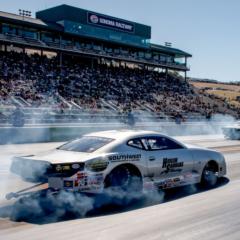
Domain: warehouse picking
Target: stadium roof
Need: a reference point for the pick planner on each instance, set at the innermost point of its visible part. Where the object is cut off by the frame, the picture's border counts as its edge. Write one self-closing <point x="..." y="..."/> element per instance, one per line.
<point x="82" y="16"/>
<point x="71" y="10"/>
<point x="174" y="51"/>
<point x="5" y="15"/>
<point x="29" y="21"/>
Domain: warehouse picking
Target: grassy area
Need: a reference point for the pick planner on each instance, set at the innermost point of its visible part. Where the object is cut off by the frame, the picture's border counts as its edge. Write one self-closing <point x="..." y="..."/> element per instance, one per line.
<point x="229" y="87"/>
<point x="229" y="92"/>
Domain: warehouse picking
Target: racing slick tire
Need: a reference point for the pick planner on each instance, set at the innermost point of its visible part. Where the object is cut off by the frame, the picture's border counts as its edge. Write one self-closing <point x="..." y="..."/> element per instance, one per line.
<point x="209" y="177"/>
<point x="124" y="178"/>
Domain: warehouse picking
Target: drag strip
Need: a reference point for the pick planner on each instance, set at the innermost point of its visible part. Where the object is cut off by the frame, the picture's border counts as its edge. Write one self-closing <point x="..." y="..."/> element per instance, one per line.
<point x="227" y="149"/>
<point x="212" y="214"/>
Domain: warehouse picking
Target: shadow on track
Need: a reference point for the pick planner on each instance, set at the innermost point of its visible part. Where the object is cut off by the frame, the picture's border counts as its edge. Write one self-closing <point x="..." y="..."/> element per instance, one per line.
<point x="44" y="210"/>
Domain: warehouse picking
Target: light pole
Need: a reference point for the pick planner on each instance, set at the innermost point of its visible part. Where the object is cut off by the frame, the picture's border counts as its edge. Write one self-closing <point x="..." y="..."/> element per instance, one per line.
<point x="24" y="13"/>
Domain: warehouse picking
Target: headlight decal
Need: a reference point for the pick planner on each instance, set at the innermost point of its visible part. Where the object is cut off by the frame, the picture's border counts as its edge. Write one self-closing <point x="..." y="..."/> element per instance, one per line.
<point x="97" y="165"/>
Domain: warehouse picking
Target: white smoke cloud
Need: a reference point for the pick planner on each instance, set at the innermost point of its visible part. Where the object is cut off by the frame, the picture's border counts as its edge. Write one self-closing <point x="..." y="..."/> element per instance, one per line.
<point x="65" y="203"/>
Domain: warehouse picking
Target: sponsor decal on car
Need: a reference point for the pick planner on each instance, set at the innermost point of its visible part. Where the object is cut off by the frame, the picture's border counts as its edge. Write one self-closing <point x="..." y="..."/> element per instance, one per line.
<point x="171" y="165"/>
<point x="83" y="181"/>
<point x="58" y="168"/>
<point x="62" y="168"/>
<point x="75" y="166"/>
<point x="127" y="157"/>
<point x="170" y="182"/>
<point x="88" y="180"/>
<point x="95" y="179"/>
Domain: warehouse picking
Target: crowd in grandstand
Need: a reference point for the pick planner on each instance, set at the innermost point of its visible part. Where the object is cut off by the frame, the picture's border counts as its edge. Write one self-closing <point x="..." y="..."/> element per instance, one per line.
<point x="39" y="81"/>
<point x="93" y="49"/>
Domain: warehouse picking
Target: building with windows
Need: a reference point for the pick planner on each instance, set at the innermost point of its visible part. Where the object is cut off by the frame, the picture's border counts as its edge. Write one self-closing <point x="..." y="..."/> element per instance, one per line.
<point x="65" y="30"/>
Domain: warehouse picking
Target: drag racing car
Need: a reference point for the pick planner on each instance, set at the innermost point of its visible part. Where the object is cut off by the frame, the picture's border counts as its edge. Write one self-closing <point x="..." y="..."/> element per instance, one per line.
<point x="129" y="160"/>
<point x="232" y="132"/>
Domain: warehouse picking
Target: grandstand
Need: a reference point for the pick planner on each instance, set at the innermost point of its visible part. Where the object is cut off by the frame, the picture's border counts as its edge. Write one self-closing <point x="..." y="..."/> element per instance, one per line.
<point x="70" y="64"/>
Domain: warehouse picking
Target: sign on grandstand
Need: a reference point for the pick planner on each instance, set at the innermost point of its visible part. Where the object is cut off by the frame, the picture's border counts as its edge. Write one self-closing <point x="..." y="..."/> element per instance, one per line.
<point x="110" y="22"/>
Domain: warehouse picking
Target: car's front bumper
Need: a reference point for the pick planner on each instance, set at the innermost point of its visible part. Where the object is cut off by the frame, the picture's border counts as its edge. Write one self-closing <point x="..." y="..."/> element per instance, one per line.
<point x="84" y="181"/>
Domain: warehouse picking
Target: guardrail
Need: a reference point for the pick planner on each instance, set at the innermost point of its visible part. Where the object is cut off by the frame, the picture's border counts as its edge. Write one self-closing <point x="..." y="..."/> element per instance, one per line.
<point x="48" y="114"/>
<point x="62" y="132"/>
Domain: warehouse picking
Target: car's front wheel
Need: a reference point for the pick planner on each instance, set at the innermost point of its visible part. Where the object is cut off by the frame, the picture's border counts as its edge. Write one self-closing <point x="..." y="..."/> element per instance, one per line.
<point x="210" y="175"/>
<point x="125" y="179"/>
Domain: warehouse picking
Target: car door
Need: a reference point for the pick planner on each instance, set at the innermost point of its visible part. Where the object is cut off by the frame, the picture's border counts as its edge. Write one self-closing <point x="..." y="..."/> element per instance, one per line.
<point x="166" y="157"/>
<point x="137" y="148"/>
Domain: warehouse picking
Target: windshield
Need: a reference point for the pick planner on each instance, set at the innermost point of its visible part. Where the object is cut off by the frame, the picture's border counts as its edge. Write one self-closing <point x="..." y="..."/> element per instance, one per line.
<point x="85" y="144"/>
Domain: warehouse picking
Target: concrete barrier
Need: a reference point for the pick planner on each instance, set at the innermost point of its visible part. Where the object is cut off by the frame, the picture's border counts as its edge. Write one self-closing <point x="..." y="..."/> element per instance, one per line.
<point x="64" y="132"/>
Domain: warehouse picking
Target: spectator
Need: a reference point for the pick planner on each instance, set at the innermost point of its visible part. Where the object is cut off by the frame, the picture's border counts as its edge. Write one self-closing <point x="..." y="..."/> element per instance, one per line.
<point x="40" y="82"/>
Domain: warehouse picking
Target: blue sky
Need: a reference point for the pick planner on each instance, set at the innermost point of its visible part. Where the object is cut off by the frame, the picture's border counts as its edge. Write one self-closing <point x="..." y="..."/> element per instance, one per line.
<point x="208" y="29"/>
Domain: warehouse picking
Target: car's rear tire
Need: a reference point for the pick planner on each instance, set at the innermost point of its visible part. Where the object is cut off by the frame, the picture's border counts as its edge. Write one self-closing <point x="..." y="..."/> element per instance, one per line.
<point x="210" y="175"/>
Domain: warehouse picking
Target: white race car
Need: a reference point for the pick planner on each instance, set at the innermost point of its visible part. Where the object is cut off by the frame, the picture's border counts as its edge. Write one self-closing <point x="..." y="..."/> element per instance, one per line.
<point x="233" y="131"/>
<point x="131" y="160"/>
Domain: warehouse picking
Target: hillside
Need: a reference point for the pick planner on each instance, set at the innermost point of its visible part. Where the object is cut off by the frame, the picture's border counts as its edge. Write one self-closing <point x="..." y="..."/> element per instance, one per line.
<point x="230" y="93"/>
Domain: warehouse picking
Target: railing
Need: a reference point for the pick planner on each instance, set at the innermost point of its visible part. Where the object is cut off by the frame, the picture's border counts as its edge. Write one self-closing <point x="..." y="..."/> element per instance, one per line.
<point x="54" y="116"/>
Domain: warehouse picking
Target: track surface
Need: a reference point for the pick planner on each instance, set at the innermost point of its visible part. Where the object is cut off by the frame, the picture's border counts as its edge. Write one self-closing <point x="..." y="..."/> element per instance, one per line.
<point x="212" y="214"/>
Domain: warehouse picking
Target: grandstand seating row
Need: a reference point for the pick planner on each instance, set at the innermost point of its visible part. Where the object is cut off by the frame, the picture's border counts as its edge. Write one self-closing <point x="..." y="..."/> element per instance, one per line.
<point x="34" y="81"/>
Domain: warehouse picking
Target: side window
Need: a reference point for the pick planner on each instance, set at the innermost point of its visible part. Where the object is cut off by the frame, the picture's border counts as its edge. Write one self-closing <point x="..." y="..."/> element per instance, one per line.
<point x="161" y="143"/>
<point x="171" y="144"/>
<point x="136" y="143"/>
<point x="156" y="143"/>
